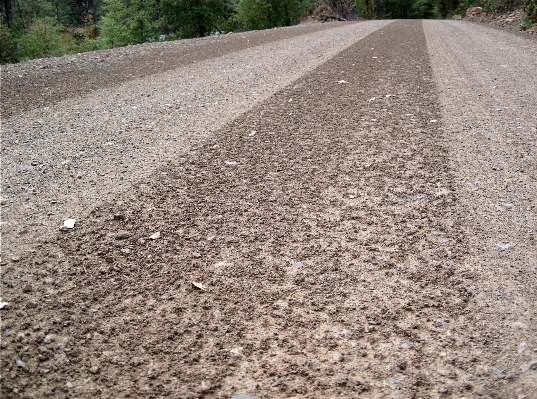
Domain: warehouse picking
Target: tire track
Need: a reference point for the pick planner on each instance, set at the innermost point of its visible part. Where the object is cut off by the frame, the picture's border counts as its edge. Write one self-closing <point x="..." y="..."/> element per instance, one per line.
<point x="488" y="84"/>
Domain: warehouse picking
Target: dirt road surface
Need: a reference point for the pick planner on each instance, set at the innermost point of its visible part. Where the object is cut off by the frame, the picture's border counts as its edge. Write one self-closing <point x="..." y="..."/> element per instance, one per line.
<point x="323" y="211"/>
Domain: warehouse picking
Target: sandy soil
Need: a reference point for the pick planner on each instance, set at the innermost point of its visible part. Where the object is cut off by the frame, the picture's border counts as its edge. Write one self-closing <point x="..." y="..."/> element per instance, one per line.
<point x="362" y="224"/>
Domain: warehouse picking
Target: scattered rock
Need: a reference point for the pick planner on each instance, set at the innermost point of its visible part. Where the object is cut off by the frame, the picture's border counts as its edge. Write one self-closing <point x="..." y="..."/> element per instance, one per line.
<point x="405" y="198"/>
<point x="530" y="365"/>
<point x="69" y="223"/>
<point x="474" y="14"/>
<point x="237" y="352"/>
<point x="122" y="235"/>
<point x="505" y="247"/>
<point x="15" y="258"/>
<point x="242" y="396"/>
<point x="199" y="286"/>
<point x="20" y="363"/>
<point x="505" y="207"/>
<point x="154" y="236"/>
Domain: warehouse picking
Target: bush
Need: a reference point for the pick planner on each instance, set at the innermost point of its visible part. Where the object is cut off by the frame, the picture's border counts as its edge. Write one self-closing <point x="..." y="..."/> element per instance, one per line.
<point x="8" y="45"/>
<point x="530" y="8"/>
<point x="42" y="39"/>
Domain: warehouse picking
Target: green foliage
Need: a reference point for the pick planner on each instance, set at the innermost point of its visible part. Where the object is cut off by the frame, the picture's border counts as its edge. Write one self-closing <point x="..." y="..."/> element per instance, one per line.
<point x="129" y="22"/>
<point x="422" y="9"/>
<point x="264" y="14"/>
<point x="8" y="45"/>
<point x="530" y="8"/>
<point x="43" y="38"/>
<point x="194" y="18"/>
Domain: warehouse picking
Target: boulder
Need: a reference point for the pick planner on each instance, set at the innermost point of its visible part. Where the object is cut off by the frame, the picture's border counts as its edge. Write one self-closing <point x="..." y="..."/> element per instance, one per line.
<point x="474" y="14"/>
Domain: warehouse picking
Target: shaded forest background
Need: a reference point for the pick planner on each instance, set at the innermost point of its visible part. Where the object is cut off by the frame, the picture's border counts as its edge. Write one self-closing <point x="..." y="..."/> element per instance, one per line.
<point x="46" y="28"/>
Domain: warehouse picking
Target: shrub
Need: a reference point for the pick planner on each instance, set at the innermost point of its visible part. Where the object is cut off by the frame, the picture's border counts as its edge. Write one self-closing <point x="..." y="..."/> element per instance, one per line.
<point x="42" y="39"/>
<point x="530" y="8"/>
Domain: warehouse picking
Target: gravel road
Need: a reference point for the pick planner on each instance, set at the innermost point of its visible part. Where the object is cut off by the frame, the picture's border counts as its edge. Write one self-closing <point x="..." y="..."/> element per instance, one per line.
<point x="328" y="210"/>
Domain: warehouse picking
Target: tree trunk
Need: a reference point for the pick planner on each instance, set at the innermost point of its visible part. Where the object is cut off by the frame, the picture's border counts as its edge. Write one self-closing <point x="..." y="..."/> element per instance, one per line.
<point x="9" y="13"/>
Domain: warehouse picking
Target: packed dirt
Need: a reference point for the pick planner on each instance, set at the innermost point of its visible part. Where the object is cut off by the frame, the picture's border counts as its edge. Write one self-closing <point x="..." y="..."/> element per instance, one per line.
<point x="346" y="211"/>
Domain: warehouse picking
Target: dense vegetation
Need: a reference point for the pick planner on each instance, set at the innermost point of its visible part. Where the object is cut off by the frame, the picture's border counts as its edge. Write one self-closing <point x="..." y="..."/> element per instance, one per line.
<point x="44" y="28"/>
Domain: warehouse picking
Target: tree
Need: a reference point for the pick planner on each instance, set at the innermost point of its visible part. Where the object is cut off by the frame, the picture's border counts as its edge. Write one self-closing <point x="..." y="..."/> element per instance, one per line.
<point x="129" y="22"/>
<point x="422" y="9"/>
<point x="263" y="14"/>
<point x="193" y="18"/>
<point x="9" y="13"/>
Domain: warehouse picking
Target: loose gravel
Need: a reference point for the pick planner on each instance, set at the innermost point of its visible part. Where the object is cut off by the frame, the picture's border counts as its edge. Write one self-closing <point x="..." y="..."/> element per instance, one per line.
<point x="333" y="233"/>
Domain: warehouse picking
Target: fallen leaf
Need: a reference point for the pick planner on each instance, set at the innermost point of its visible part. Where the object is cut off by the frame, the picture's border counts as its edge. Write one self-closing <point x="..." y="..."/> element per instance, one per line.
<point x="372" y="99"/>
<point x="352" y="196"/>
<point x="230" y="162"/>
<point x="433" y="121"/>
<point x="154" y="236"/>
<point x="252" y="133"/>
<point x="199" y="286"/>
<point x="342" y="82"/>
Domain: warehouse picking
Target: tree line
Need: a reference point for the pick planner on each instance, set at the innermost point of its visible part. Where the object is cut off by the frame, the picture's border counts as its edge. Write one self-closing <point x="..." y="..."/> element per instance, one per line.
<point x="43" y="28"/>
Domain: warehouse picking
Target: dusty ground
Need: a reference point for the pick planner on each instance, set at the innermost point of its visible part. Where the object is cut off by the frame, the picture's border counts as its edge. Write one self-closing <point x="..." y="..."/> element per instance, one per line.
<point x="349" y="222"/>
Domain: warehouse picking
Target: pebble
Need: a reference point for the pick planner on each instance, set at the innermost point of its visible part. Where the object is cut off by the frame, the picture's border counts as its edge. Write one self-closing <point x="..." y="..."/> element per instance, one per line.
<point x="122" y="235"/>
<point x="88" y="304"/>
<point x="20" y="363"/>
<point x="505" y="247"/>
<point x="15" y="258"/>
<point x="242" y="396"/>
<point x="119" y="216"/>
<point x="196" y="255"/>
<point x="531" y="365"/>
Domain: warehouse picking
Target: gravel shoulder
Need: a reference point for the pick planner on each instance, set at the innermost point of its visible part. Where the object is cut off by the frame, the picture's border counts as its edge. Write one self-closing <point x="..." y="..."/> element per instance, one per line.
<point x="328" y="233"/>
